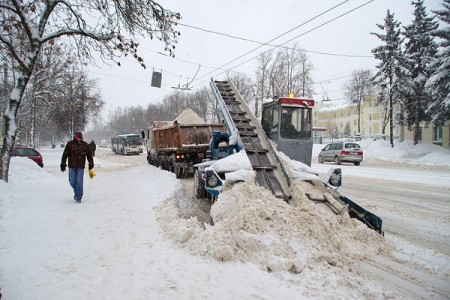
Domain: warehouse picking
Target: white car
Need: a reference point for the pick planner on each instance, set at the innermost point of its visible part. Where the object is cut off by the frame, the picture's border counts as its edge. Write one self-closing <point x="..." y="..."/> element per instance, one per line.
<point x="340" y="152"/>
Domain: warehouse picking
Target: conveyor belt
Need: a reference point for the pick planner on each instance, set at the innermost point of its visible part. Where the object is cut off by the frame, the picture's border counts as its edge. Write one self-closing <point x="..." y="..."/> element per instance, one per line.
<point x="264" y="164"/>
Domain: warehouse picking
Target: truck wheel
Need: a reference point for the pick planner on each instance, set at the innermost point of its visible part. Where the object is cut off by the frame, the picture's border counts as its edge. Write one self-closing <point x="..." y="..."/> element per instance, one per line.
<point x="356" y="163"/>
<point x="177" y="171"/>
<point x="199" y="185"/>
<point x="185" y="172"/>
<point x="337" y="161"/>
<point x="166" y="165"/>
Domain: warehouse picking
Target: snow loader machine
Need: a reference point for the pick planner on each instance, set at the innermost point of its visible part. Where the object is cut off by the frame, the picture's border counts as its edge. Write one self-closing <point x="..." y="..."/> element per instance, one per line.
<point x="286" y="123"/>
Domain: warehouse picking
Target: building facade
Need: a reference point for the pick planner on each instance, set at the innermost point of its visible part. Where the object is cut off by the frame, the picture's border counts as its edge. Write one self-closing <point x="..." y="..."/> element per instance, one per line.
<point x="339" y="121"/>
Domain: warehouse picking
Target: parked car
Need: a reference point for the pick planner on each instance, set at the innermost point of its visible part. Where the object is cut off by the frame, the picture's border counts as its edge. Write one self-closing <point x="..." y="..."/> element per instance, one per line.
<point x="29" y="152"/>
<point x="341" y="152"/>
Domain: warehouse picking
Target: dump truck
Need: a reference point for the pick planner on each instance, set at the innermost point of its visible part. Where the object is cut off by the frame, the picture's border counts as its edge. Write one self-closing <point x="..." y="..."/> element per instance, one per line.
<point x="177" y="147"/>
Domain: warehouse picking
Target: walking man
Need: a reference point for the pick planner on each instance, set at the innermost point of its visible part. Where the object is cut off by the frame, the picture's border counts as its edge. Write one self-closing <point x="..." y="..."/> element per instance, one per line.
<point x="77" y="151"/>
<point x="92" y="147"/>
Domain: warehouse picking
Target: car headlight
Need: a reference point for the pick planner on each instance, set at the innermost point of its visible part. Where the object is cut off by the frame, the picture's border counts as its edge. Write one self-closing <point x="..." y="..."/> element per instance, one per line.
<point x="334" y="180"/>
<point x="336" y="177"/>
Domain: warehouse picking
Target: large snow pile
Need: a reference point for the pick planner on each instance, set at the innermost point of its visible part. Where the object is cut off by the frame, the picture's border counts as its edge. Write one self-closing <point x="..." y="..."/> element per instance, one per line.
<point x="251" y="225"/>
<point x="188" y="116"/>
<point x="405" y="152"/>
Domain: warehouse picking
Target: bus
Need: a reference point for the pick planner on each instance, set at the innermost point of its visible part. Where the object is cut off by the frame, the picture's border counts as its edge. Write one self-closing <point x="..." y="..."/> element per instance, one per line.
<point x="127" y="144"/>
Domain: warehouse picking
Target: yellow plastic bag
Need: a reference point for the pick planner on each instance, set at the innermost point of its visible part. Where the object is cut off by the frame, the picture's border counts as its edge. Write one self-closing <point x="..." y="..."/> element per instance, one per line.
<point x="91" y="174"/>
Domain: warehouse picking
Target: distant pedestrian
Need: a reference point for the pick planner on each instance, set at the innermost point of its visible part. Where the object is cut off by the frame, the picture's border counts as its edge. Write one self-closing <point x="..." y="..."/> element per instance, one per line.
<point x="77" y="151"/>
<point x="92" y="147"/>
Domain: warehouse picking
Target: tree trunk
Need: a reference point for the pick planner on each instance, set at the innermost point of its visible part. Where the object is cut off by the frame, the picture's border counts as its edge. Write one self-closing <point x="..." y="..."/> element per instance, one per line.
<point x="416" y="126"/>
<point x="416" y="132"/>
<point x="359" y="117"/>
<point x="10" y="124"/>
<point x="33" y="121"/>
<point x="401" y="137"/>
<point x="12" y="107"/>
<point x="391" y="122"/>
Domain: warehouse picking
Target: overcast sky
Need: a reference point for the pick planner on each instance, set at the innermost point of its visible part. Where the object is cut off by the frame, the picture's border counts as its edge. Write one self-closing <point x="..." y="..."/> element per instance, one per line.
<point x="347" y="40"/>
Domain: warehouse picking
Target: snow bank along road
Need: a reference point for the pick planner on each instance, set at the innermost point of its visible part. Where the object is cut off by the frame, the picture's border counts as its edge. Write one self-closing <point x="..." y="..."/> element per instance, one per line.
<point x="414" y="203"/>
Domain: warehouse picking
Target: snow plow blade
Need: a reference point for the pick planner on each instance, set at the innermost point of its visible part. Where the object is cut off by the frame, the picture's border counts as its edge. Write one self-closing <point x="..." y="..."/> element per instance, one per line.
<point x="355" y="211"/>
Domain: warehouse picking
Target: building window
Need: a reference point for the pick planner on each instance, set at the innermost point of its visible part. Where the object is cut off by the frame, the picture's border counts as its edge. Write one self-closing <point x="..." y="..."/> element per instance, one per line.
<point x="354" y="122"/>
<point x="342" y="114"/>
<point x="437" y="134"/>
<point x="335" y="115"/>
<point x="348" y="114"/>
<point x="370" y="117"/>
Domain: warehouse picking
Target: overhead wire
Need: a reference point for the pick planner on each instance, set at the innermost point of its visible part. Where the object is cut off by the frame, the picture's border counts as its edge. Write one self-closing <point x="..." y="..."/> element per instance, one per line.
<point x="266" y="44"/>
<point x="277" y="37"/>
<point x="308" y="31"/>
<point x="261" y="45"/>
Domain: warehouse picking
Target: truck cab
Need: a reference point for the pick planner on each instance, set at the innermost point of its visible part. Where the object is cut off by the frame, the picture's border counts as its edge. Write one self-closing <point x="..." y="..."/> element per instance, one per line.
<point x="288" y="122"/>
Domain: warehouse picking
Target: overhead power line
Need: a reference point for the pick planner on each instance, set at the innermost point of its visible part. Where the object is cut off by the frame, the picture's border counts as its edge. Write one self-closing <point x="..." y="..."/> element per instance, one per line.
<point x="277" y="37"/>
<point x="302" y="34"/>
<point x="266" y="44"/>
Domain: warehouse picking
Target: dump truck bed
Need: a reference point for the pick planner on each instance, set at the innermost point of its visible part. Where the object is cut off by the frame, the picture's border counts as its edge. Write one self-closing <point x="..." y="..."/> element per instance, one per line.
<point x="184" y="137"/>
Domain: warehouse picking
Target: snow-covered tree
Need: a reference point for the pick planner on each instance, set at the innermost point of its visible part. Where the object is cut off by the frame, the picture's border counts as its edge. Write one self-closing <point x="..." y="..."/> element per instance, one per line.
<point x="420" y="49"/>
<point x="357" y="88"/>
<point x="389" y="76"/>
<point x="108" y="27"/>
<point x="438" y="85"/>
<point x="336" y="133"/>
<point x="347" y="130"/>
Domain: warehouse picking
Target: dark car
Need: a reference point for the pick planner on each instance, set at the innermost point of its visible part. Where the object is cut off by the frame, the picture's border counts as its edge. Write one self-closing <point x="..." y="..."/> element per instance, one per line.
<point x="341" y="152"/>
<point x="29" y="152"/>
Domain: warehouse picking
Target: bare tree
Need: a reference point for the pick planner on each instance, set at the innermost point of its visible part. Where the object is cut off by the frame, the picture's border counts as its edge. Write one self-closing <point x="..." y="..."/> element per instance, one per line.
<point x="357" y="88"/>
<point x="245" y="86"/>
<point x="298" y="70"/>
<point x="289" y="71"/>
<point x="27" y="25"/>
<point x="199" y="102"/>
<point x="77" y="101"/>
<point x="49" y="70"/>
<point x="262" y="75"/>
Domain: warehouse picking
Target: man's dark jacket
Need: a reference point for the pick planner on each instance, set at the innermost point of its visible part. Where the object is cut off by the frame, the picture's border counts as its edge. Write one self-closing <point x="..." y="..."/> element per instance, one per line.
<point x="77" y="153"/>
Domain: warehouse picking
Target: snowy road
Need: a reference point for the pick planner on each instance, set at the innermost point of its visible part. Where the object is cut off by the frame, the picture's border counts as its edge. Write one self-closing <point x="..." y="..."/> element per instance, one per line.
<point x="415" y="210"/>
<point x="414" y="203"/>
